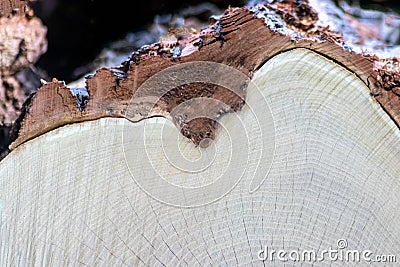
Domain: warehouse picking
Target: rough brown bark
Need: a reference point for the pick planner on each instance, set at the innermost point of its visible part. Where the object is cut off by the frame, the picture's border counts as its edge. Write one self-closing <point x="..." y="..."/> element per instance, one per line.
<point x="13" y="7"/>
<point x="243" y="38"/>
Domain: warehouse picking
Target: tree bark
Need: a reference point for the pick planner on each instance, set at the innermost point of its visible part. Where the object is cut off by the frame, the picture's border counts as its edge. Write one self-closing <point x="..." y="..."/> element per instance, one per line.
<point x="262" y="132"/>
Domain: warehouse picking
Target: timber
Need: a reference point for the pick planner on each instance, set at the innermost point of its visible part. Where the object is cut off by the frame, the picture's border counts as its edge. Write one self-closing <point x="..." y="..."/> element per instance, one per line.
<point x="262" y="132"/>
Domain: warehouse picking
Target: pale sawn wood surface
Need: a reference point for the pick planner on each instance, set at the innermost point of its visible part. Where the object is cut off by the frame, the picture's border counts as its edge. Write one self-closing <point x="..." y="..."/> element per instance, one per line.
<point x="67" y="198"/>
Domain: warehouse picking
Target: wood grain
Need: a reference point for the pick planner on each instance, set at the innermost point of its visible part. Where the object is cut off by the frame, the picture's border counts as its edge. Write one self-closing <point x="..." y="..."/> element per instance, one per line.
<point x="72" y="196"/>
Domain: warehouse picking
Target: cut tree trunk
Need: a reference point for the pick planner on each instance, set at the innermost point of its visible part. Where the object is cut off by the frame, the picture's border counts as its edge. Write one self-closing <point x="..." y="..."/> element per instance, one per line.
<point x="261" y="133"/>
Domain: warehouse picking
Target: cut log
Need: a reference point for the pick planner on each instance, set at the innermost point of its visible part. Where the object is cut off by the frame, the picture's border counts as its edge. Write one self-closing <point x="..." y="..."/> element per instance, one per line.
<point x="255" y="136"/>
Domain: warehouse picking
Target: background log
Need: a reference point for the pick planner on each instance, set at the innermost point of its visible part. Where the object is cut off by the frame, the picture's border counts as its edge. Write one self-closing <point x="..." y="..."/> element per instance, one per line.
<point x="23" y="41"/>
